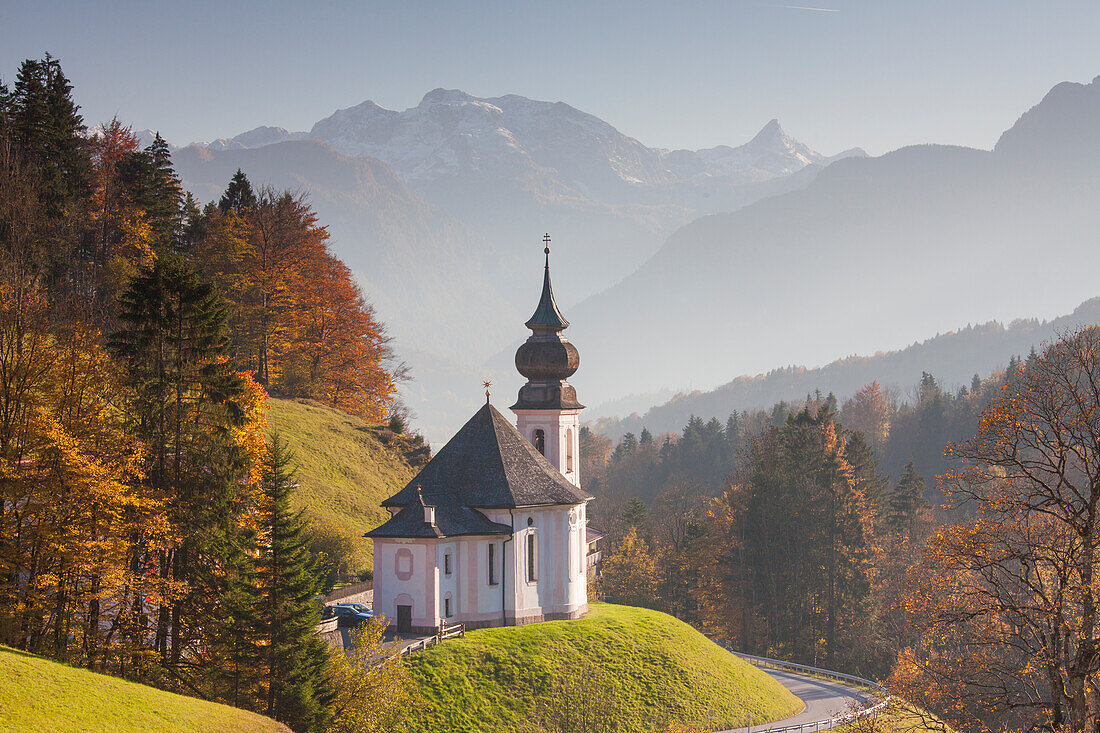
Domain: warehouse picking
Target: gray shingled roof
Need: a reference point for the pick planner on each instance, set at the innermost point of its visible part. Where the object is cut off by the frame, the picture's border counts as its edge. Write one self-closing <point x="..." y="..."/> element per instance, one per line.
<point x="450" y="521"/>
<point x="489" y="464"/>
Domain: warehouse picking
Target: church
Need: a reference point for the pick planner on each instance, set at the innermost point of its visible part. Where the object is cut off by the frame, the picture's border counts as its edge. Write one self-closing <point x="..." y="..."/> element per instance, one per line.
<point x="492" y="532"/>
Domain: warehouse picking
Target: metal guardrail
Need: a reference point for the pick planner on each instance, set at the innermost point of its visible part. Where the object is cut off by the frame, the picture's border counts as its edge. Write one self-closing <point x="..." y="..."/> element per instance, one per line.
<point x="876" y="704"/>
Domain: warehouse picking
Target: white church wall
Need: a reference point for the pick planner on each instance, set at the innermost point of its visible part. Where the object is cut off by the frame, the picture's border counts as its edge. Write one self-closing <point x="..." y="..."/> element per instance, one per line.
<point x="558" y="590"/>
<point x="406" y="573"/>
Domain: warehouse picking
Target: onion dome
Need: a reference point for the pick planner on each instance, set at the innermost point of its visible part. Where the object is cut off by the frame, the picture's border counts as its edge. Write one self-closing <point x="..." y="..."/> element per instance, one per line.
<point x="547" y="358"/>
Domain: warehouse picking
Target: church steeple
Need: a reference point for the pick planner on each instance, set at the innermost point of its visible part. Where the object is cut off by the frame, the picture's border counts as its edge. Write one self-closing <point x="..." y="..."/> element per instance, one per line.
<point x="547" y="315"/>
<point x="547" y="409"/>
<point x="547" y="358"/>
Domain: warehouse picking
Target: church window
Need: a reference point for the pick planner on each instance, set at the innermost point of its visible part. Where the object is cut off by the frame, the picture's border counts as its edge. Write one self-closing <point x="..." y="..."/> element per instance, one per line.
<point x="447" y="564"/>
<point x="532" y="558"/>
<point x="492" y="564"/>
<point x="569" y="450"/>
<point x="447" y="606"/>
<point x="403" y="565"/>
<point x="540" y="441"/>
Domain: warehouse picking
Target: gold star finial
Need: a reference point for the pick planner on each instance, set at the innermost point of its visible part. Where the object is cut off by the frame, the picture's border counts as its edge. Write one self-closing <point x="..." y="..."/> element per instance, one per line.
<point x="487" y="384"/>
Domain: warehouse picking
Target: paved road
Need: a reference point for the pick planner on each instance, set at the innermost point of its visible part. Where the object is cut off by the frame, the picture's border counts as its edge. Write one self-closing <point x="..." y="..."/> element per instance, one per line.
<point x="823" y="698"/>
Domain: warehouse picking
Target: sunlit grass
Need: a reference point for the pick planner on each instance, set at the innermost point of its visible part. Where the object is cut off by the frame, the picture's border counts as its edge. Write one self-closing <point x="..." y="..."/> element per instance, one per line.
<point x="344" y="470"/>
<point x="662" y="670"/>
<point x="42" y="696"/>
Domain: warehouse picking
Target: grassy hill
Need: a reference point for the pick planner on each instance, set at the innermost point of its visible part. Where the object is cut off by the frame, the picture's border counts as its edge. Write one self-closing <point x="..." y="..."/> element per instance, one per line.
<point x="39" y="695"/>
<point x="644" y="668"/>
<point x="345" y="468"/>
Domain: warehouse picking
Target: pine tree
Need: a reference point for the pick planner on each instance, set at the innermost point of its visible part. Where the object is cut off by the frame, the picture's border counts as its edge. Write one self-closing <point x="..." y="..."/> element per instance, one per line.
<point x="49" y="130"/>
<point x="154" y="187"/>
<point x="636" y="516"/>
<point x="626" y="447"/>
<point x="907" y="500"/>
<point x="865" y="469"/>
<point x="286" y="611"/>
<point x="189" y="407"/>
<point x="238" y="196"/>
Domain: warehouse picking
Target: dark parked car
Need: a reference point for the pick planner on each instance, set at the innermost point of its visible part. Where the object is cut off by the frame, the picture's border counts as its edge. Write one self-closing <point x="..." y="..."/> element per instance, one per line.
<point x="351" y="614"/>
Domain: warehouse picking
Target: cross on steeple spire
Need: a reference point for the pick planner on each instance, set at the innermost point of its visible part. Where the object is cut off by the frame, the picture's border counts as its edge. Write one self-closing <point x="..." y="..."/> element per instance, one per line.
<point x="547" y="314"/>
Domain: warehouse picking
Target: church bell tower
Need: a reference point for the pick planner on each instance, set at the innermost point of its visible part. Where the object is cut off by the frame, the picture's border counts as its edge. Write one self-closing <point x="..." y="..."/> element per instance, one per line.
<point x="547" y="411"/>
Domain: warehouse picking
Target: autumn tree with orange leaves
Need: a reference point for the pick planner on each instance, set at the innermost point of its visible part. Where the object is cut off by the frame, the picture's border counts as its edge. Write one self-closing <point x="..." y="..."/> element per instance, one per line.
<point x="299" y="321"/>
<point x="1006" y="605"/>
<point x="145" y="523"/>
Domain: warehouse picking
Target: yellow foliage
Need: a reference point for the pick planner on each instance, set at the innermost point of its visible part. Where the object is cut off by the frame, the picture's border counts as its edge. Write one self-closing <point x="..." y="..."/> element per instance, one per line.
<point x="630" y="574"/>
<point x="374" y="689"/>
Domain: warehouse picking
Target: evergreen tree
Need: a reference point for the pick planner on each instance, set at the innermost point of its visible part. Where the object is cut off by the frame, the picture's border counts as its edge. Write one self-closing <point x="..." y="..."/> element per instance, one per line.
<point x="238" y="196"/>
<point x="865" y="470"/>
<point x="626" y="447"/>
<point x="733" y="432"/>
<point x="636" y="516"/>
<point x="190" y="408"/>
<point x="49" y="131"/>
<point x="234" y="645"/>
<point x="646" y="437"/>
<point x="154" y="187"/>
<point x="907" y="500"/>
<point x="286" y="610"/>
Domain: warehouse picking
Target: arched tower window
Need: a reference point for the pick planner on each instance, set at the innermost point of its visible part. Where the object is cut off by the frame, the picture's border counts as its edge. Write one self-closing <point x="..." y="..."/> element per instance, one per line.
<point x="569" y="450"/>
<point x="540" y="441"/>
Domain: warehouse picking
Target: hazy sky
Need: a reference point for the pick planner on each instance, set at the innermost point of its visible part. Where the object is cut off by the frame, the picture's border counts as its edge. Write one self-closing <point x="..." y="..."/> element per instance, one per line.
<point x="837" y="73"/>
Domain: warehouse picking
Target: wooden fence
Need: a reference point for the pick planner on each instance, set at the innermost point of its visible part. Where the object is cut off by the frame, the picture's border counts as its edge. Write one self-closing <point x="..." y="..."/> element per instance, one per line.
<point x="442" y="632"/>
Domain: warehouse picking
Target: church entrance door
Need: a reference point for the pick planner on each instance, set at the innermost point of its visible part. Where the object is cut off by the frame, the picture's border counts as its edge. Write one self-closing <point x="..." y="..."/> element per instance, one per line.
<point x="404" y="619"/>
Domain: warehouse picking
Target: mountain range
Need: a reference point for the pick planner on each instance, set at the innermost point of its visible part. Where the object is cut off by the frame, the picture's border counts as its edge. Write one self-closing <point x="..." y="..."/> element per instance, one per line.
<point x="676" y="267"/>
<point x="440" y="210"/>
<point x="873" y="254"/>
<point x="510" y="168"/>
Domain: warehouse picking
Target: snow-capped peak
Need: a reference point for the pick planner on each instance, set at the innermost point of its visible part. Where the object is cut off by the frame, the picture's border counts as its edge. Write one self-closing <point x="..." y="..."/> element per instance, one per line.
<point x="452" y="134"/>
<point x="771" y="152"/>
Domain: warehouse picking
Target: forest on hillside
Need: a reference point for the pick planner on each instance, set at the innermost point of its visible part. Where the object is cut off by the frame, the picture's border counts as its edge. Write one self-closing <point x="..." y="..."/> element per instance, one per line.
<point x="946" y="545"/>
<point x="146" y="527"/>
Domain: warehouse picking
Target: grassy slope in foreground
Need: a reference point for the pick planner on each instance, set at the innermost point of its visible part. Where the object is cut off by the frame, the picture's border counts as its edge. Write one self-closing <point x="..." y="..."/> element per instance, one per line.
<point x="344" y="470"/>
<point x="664" y="670"/>
<point x="40" y="695"/>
